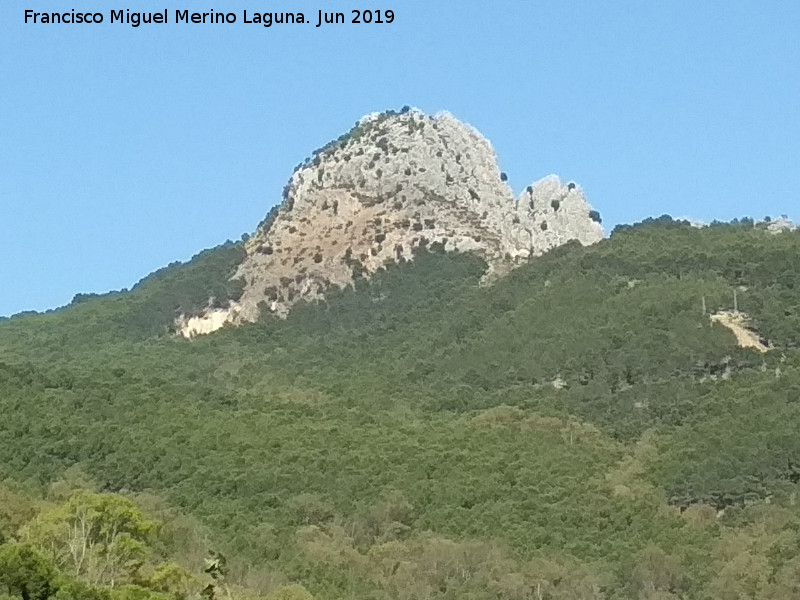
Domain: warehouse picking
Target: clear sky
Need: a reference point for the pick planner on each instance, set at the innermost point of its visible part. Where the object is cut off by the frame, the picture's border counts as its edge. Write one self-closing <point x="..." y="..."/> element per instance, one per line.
<point x="123" y="149"/>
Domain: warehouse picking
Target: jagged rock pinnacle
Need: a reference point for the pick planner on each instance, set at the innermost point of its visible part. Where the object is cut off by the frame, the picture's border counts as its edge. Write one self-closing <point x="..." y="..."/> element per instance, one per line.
<point x="395" y="182"/>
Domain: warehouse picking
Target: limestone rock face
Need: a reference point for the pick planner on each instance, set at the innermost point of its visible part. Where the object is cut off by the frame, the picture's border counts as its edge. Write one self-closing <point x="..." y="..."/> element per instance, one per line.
<point x="780" y="225"/>
<point x="396" y="182"/>
<point x="549" y="214"/>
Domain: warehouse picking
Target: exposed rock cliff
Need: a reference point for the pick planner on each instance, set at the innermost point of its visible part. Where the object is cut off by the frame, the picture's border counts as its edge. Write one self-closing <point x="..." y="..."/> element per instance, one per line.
<point x="395" y="182"/>
<point x="781" y="225"/>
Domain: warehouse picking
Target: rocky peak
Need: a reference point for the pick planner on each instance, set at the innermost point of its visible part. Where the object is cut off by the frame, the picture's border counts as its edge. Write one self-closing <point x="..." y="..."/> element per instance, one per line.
<point x="780" y="225"/>
<point x="396" y="182"/>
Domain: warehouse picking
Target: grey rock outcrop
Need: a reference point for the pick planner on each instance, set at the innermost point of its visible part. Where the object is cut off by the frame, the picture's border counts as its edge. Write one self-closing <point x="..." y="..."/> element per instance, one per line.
<point x="394" y="183"/>
<point x="781" y="225"/>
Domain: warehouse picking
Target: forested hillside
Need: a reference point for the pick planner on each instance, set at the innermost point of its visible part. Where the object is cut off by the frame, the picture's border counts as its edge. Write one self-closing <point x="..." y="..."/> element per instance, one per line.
<point x="580" y="429"/>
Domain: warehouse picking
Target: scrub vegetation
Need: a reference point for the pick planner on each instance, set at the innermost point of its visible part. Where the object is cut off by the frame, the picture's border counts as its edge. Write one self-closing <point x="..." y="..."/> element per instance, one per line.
<point x="581" y="429"/>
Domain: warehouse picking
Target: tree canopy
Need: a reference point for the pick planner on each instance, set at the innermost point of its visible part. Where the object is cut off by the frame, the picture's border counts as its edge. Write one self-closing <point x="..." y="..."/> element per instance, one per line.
<point x="580" y="429"/>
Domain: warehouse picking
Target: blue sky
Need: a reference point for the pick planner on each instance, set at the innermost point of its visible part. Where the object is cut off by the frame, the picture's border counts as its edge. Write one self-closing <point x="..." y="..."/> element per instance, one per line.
<point x="123" y="149"/>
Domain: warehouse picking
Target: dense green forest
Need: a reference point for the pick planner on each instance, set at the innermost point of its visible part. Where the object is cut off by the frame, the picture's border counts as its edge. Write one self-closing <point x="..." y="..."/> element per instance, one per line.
<point x="577" y="430"/>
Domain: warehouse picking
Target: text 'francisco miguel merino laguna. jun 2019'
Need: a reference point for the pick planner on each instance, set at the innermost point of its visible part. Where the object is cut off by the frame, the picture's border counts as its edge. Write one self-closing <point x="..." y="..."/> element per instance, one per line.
<point x="125" y="16"/>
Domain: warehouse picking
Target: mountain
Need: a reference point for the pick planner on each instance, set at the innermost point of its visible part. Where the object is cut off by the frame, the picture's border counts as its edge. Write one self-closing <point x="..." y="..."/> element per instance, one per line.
<point x="613" y="420"/>
<point x="394" y="183"/>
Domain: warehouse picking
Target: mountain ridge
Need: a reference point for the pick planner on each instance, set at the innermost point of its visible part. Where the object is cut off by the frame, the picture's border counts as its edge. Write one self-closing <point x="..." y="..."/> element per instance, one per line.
<point x="414" y="415"/>
<point x="396" y="182"/>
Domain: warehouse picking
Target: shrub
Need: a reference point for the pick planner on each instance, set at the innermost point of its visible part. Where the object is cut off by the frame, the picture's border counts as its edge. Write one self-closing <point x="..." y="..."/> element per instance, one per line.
<point x="26" y="573"/>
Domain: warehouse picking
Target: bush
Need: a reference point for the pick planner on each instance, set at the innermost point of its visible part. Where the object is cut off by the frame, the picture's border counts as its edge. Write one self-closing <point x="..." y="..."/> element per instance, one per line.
<point x="291" y="592"/>
<point x="26" y="573"/>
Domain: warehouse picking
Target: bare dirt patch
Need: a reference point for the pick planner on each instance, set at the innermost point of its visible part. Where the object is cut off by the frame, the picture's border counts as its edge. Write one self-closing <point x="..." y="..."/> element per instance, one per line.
<point x="739" y="323"/>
